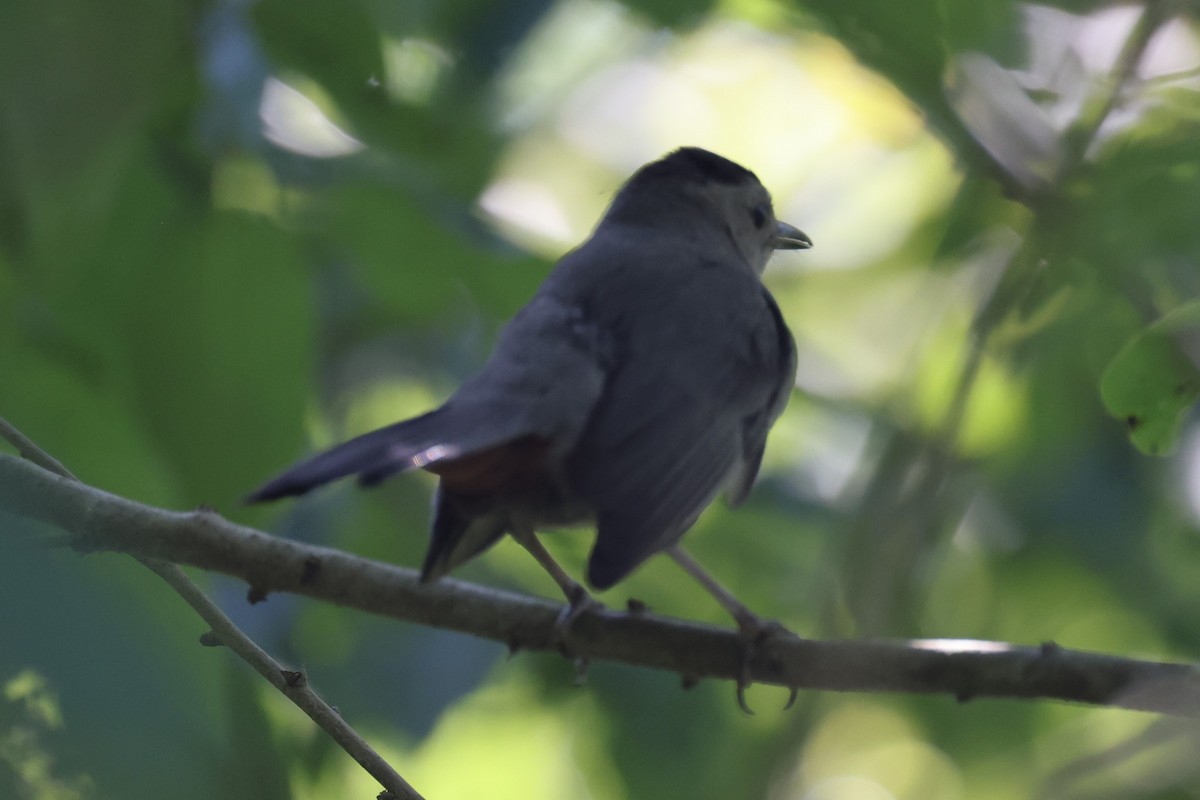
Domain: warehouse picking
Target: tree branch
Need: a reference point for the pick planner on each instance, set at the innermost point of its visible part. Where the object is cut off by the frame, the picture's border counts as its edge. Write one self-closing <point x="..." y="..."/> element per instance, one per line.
<point x="294" y="685"/>
<point x="97" y="520"/>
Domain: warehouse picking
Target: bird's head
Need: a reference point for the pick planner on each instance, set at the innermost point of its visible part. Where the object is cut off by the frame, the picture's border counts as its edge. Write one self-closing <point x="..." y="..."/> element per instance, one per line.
<point x="698" y="194"/>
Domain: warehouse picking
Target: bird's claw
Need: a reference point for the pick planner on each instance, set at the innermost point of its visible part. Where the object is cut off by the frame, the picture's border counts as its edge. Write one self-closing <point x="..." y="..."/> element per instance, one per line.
<point x="752" y="633"/>
<point x="582" y="665"/>
<point x="579" y="603"/>
<point x="741" y="696"/>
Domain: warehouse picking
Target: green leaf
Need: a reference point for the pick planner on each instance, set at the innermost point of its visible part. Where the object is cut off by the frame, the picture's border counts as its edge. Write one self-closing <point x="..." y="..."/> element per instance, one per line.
<point x="338" y="47"/>
<point x="335" y="44"/>
<point x="1155" y="379"/>
<point x="220" y="350"/>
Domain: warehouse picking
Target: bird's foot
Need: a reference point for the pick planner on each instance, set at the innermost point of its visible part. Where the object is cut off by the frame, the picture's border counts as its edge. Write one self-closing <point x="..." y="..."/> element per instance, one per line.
<point x="753" y="633"/>
<point x="579" y="602"/>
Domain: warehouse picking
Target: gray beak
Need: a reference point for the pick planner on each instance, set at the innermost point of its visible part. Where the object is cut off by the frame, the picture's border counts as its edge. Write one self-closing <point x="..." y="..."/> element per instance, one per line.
<point x="788" y="238"/>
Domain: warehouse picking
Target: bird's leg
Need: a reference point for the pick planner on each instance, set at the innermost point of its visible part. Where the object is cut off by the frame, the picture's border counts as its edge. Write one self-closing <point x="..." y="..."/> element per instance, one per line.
<point x="753" y="630"/>
<point x="749" y="623"/>
<point x="578" y="599"/>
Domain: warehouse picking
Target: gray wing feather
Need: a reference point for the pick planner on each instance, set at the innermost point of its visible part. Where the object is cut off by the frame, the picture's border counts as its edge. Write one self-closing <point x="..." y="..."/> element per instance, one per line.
<point x="757" y="426"/>
<point x="696" y="382"/>
<point x="659" y="500"/>
<point x="542" y="379"/>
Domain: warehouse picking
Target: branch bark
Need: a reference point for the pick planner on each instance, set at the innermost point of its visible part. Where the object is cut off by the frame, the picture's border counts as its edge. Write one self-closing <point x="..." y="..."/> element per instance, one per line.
<point x="96" y="520"/>
<point x="292" y="684"/>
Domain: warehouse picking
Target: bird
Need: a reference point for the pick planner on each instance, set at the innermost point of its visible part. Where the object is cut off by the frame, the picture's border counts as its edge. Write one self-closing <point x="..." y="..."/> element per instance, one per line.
<point x="637" y="385"/>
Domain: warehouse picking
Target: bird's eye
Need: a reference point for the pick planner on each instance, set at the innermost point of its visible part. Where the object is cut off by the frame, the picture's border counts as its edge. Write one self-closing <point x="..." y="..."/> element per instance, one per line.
<point x="758" y="216"/>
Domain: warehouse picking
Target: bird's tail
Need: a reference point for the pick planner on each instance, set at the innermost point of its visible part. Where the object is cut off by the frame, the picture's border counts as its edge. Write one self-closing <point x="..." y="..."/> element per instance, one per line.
<point x="441" y="435"/>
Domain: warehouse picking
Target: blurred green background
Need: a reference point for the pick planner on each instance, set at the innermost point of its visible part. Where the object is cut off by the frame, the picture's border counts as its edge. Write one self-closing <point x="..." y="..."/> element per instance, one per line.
<point x="234" y="232"/>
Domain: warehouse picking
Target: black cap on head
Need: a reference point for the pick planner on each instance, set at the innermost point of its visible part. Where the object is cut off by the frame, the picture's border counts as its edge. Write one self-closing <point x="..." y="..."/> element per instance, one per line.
<point x="695" y="165"/>
<point x="659" y="187"/>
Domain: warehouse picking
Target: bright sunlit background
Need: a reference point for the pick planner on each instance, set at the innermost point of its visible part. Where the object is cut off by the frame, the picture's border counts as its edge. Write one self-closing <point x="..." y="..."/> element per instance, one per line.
<point x="234" y="232"/>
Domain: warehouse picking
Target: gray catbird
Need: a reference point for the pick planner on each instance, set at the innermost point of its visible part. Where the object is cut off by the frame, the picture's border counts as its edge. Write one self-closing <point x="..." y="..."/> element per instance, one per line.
<point x="637" y="385"/>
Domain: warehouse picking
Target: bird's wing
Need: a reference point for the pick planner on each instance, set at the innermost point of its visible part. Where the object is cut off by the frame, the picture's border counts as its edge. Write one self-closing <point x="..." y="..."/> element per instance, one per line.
<point x="656" y="497"/>
<point x="690" y="399"/>
<point x="541" y="381"/>
<point x="756" y="426"/>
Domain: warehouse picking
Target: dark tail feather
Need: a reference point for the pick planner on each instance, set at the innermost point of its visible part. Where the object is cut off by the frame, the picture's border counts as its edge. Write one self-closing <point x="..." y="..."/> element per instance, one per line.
<point x="374" y="455"/>
<point x="457" y="534"/>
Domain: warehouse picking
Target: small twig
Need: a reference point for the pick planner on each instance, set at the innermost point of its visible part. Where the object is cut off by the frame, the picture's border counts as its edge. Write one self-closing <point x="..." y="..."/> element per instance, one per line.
<point x="228" y="634"/>
<point x="1127" y="756"/>
<point x="893" y="558"/>
<point x="1025" y="264"/>
<point x="102" y="521"/>
<point x="1174" y="77"/>
<point x="28" y="449"/>
<point x="294" y="688"/>
<point x="1028" y="260"/>
<point x="1083" y="131"/>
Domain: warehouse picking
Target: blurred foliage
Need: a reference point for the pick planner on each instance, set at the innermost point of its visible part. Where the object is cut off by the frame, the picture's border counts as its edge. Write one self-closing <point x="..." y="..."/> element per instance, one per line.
<point x="1155" y="379"/>
<point x="233" y="232"/>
